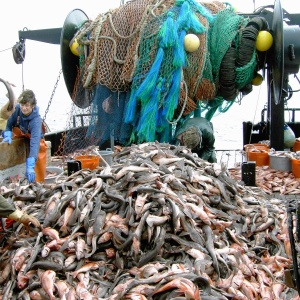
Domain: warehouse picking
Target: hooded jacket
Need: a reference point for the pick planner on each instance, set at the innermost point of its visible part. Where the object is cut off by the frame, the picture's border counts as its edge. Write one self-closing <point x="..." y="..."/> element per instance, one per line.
<point x="206" y="150"/>
<point x="31" y="124"/>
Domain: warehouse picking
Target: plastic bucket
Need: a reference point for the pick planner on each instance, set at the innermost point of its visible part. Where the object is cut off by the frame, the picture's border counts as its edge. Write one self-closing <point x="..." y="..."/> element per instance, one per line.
<point x="280" y="162"/>
<point x="296" y="167"/>
<point x="261" y="158"/>
<point x="107" y="155"/>
<point x="296" y="146"/>
<point x="250" y="147"/>
<point x="88" y="161"/>
<point x="52" y="173"/>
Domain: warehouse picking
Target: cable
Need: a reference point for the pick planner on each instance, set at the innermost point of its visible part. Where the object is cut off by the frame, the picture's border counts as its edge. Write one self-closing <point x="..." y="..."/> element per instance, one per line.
<point x="249" y="142"/>
<point x="6" y="49"/>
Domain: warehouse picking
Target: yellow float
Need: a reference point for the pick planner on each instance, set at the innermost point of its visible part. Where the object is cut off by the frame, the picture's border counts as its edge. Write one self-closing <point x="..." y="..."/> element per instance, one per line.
<point x="74" y="47"/>
<point x="257" y="80"/>
<point x="191" y="42"/>
<point x="264" y="40"/>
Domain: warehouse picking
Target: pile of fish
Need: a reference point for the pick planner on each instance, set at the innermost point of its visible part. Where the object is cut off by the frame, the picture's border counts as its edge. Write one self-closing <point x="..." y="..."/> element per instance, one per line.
<point x="159" y="223"/>
<point x="272" y="181"/>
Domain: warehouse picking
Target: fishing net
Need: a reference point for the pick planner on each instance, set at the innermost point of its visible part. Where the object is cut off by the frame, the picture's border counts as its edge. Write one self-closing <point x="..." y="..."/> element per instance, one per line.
<point x="136" y="80"/>
<point x="233" y="60"/>
<point x="75" y="137"/>
<point x="113" y="50"/>
<point x="155" y="90"/>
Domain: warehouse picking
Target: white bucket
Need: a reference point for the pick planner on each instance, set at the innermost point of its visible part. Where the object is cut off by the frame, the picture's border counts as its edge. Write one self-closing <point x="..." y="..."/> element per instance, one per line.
<point x="280" y="162"/>
<point x="107" y="155"/>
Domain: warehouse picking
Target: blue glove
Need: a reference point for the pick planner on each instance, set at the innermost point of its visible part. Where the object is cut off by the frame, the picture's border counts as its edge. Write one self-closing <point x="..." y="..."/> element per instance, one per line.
<point x="7" y="137"/>
<point x="30" y="164"/>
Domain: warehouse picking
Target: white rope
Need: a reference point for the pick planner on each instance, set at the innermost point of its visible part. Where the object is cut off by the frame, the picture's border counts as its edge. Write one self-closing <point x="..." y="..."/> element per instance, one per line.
<point x="91" y="68"/>
<point x="184" y="105"/>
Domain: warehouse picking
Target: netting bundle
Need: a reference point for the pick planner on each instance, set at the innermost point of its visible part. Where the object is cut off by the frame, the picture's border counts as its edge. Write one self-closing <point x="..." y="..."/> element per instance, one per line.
<point x="114" y="45"/>
<point x="140" y="80"/>
<point x="162" y="67"/>
<point x="233" y="57"/>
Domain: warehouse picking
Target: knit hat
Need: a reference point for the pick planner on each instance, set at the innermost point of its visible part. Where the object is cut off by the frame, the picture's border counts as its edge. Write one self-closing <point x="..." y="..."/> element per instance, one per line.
<point x="191" y="138"/>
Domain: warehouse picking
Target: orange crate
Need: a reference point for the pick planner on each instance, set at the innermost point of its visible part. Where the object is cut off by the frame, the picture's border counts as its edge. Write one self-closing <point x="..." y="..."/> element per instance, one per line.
<point x="250" y="147"/>
<point x="296" y="167"/>
<point x="296" y="146"/>
<point x="261" y="158"/>
<point x="88" y="161"/>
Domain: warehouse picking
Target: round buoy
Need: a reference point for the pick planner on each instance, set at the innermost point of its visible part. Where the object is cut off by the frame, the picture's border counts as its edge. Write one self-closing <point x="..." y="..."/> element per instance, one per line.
<point x="257" y="80"/>
<point x="75" y="47"/>
<point x="289" y="137"/>
<point x="191" y="42"/>
<point x="264" y="40"/>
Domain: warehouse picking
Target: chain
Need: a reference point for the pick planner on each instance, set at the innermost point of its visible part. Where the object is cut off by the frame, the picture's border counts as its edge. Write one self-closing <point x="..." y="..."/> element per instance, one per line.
<point x="52" y="95"/>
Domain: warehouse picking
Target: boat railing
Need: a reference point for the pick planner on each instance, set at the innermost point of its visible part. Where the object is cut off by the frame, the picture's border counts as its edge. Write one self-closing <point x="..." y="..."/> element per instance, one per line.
<point x="290" y="111"/>
<point x="81" y="118"/>
<point x="232" y="158"/>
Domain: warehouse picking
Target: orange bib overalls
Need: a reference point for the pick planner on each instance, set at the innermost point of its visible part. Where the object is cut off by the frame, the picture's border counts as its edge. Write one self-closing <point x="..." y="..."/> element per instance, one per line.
<point x="40" y="166"/>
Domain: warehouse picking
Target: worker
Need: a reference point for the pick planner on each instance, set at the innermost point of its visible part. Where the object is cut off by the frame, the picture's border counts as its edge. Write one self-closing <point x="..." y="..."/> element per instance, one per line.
<point x="7" y="104"/>
<point x="7" y="210"/>
<point x="198" y="135"/>
<point x="26" y="122"/>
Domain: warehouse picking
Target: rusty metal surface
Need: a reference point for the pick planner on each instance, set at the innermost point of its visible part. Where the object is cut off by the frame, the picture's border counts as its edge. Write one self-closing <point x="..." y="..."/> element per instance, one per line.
<point x="14" y="154"/>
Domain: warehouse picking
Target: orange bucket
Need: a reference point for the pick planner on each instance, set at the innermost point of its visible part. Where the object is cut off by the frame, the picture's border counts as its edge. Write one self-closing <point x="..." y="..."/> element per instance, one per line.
<point x="261" y="158"/>
<point x="250" y="147"/>
<point x="258" y="153"/>
<point x="296" y="146"/>
<point x="296" y="167"/>
<point x="88" y="161"/>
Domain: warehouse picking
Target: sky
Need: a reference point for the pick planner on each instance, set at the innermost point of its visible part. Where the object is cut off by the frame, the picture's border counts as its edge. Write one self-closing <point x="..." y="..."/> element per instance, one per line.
<point x="42" y="60"/>
<point x="42" y="64"/>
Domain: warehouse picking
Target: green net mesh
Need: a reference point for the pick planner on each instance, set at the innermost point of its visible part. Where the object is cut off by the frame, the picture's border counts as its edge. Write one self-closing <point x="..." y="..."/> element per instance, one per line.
<point x="221" y="34"/>
<point x="244" y="74"/>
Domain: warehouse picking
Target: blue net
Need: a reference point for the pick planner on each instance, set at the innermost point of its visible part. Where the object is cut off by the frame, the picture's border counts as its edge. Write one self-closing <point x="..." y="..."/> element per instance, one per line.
<point x="106" y="121"/>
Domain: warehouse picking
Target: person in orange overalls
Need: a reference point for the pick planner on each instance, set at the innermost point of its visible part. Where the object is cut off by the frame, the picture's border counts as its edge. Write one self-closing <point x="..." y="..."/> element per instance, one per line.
<point x="26" y="122"/>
